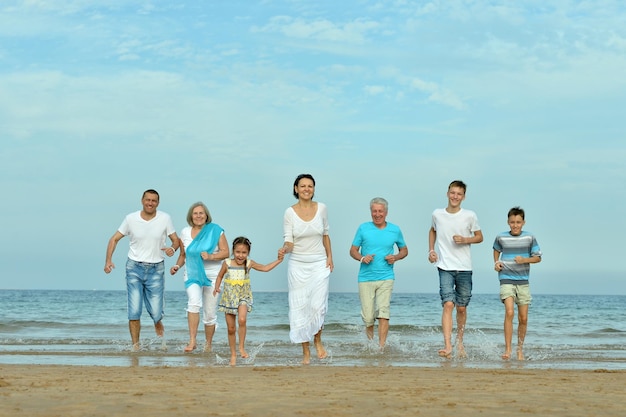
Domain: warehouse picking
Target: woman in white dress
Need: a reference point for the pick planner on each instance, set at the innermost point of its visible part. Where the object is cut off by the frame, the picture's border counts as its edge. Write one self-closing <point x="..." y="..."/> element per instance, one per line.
<point x="310" y="264"/>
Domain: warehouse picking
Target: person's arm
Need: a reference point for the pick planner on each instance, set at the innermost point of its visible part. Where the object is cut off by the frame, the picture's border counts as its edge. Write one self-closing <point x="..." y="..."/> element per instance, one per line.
<point x="220" y="276"/>
<point x="287" y="248"/>
<point x="265" y="268"/>
<point x="175" y="245"/>
<point x="108" y="263"/>
<point x="182" y="256"/>
<point x="468" y="240"/>
<point x="402" y="253"/>
<point x="532" y="260"/>
<point x="222" y="251"/>
<point x="329" y="252"/>
<point x="477" y="238"/>
<point x="497" y="264"/>
<point x="355" y="253"/>
<point x="288" y="235"/>
<point x="432" y="238"/>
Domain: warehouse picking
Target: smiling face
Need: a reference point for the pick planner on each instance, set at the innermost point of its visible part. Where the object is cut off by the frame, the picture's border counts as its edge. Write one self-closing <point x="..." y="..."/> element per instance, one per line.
<point x="456" y="195"/>
<point x="150" y="202"/>
<point x="379" y="215"/>
<point x="240" y="253"/>
<point x="305" y="189"/>
<point x="199" y="216"/>
<point x="516" y="222"/>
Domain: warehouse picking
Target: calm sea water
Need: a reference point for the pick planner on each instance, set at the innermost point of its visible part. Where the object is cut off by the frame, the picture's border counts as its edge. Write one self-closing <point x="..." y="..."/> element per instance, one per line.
<point x="90" y="328"/>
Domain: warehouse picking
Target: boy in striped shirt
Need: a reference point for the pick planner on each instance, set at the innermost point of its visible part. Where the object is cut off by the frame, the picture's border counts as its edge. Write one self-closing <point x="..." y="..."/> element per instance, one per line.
<point x="513" y="252"/>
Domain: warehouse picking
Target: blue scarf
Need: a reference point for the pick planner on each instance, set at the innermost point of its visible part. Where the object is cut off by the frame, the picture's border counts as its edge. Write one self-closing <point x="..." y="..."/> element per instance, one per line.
<point x="205" y="241"/>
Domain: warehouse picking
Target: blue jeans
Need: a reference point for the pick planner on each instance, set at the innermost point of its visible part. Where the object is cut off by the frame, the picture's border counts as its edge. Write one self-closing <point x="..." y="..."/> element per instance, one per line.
<point x="145" y="283"/>
<point x="455" y="286"/>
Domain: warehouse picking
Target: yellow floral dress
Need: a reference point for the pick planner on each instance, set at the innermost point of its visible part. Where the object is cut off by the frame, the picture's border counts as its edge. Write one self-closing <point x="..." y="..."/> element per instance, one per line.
<point x="237" y="290"/>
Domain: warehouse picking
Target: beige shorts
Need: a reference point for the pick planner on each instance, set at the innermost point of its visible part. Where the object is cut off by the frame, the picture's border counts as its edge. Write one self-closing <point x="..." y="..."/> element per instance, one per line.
<point x="520" y="293"/>
<point x="375" y="300"/>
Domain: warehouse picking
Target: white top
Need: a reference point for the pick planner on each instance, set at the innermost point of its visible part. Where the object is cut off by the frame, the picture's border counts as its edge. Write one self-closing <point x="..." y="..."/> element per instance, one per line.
<point x="212" y="268"/>
<point x="452" y="256"/>
<point x="147" y="237"/>
<point x="306" y="236"/>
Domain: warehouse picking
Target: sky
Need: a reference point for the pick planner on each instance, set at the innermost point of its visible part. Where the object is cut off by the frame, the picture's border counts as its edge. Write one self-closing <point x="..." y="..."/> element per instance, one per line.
<point x="226" y="102"/>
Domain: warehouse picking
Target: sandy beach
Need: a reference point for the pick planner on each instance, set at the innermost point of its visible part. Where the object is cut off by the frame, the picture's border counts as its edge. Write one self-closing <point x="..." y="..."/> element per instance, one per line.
<point x="49" y="390"/>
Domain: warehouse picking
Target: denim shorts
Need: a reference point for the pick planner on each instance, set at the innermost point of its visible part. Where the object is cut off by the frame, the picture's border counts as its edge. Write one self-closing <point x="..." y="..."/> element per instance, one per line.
<point x="455" y="286"/>
<point x="145" y="283"/>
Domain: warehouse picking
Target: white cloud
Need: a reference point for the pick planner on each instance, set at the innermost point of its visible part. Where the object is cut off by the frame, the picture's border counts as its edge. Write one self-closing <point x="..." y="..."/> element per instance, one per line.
<point x="356" y="31"/>
<point x="437" y="94"/>
<point x="374" y="90"/>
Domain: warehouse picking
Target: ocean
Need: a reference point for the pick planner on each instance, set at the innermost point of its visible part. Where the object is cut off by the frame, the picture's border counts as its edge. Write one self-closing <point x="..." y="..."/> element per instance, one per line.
<point x="91" y="328"/>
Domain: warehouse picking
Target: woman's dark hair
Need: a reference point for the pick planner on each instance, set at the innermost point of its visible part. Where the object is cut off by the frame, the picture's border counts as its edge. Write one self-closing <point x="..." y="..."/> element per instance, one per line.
<point x="298" y="178"/>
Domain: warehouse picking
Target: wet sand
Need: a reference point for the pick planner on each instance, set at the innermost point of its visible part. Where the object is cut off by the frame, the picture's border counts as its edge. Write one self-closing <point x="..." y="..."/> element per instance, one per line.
<point x="59" y="390"/>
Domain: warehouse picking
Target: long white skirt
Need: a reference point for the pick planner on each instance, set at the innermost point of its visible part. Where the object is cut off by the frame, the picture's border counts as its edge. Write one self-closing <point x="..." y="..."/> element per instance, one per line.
<point x="308" y="298"/>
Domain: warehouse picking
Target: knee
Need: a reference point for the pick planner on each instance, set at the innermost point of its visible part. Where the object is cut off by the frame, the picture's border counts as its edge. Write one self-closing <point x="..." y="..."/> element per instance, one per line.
<point x="448" y="306"/>
<point x="241" y="321"/>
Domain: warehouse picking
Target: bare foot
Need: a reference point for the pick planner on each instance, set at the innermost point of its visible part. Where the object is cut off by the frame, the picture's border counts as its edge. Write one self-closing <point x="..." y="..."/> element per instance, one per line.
<point x="160" y="330"/>
<point x="207" y="347"/>
<point x="136" y="347"/>
<point x="460" y="352"/>
<point x="319" y="347"/>
<point x="190" y="347"/>
<point x="520" y="354"/>
<point x="506" y="355"/>
<point x="243" y="353"/>
<point x="233" y="360"/>
<point x="306" y="356"/>
<point x="445" y="353"/>
<point x="321" y="352"/>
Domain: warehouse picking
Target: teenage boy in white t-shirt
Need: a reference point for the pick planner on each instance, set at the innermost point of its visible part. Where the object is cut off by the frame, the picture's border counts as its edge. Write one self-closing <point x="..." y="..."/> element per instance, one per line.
<point x="453" y="230"/>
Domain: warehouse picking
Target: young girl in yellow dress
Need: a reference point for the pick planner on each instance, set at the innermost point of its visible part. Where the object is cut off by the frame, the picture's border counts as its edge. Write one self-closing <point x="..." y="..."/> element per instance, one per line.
<point x="237" y="296"/>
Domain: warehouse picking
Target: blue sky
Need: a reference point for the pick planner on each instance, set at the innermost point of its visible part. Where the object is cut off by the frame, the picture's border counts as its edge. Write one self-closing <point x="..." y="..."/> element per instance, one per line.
<point x="227" y="102"/>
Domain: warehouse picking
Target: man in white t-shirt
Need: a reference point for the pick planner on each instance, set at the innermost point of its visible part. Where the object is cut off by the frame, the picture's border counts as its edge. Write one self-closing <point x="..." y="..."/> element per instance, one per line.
<point x="453" y="231"/>
<point x="147" y="230"/>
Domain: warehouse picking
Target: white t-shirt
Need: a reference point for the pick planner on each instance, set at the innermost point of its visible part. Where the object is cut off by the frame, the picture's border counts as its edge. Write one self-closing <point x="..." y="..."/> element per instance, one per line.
<point x="452" y="256"/>
<point x="212" y="268"/>
<point x="147" y="237"/>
